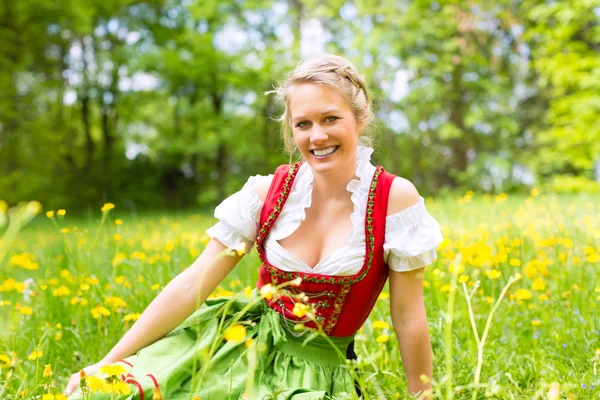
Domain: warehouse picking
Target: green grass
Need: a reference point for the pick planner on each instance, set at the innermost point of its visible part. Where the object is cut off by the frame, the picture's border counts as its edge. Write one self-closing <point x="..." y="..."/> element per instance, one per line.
<point x="551" y="337"/>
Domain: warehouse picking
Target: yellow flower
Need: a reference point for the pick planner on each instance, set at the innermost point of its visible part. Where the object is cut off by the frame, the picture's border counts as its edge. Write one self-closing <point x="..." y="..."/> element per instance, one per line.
<point x="383" y="296"/>
<point x="382" y="338"/>
<point x="116" y="237"/>
<point x="267" y="291"/>
<point x="535" y="322"/>
<point x="539" y="285"/>
<point x="380" y="325"/>
<point x="96" y="384"/>
<point x="523" y="294"/>
<point x="300" y="309"/>
<point x="50" y="214"/>
<point x="463" y="278"/>
<point x="99" y="311"/>
<point x="490" y="300"/>
<point x="493" y="274"/>
<point x="249" y="343"/>
<point x="534" y="192"/>
<point x="156" y="286"/>
<point x="61" y="291"/>
<point x="47" y="371"/>
<point x="113" y="369"/>
<point x="235" y="333"/>
<point x="60" y="396"/>
<point x="118" y="222"/>
<point x="64" y="230"/>
<point x="5" y="361"/>
<point x="107" y="207"/>
<point x="446" y="288"/>
<point x="26" y="310"/>
<point x="61" y="213"/>
<point x="248" y="292"/>
<point x="131" y="317"/>
<point x="48" y="396"/>
<point x="34" y="355"/>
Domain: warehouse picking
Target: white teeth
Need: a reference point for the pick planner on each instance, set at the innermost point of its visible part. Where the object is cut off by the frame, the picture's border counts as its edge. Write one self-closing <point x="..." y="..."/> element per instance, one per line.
<point x="324" y="152"/>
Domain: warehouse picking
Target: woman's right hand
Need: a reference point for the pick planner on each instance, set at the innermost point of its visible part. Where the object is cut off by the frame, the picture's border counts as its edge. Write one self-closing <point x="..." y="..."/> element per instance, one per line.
<point x="76" y="377"/>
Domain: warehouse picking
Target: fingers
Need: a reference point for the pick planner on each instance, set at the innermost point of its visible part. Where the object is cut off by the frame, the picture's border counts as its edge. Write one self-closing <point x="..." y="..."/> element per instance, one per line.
<point x="71" y="385"/>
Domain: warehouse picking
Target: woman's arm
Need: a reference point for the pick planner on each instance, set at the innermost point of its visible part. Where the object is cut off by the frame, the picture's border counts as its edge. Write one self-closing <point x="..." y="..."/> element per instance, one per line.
<point x="180" y="298"/>
<point x="409" y="319"/>
<point x="407" y="307"/>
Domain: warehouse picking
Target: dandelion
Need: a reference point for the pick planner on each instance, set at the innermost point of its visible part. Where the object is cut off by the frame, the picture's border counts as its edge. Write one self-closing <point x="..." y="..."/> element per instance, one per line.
<point x="60" y="396"/>
<point x="48" y="396"/>
<point x="118" y="222"/>
<point x="26" y="310"/>
<point x="64" y="230"/>
<point x="522" y="294"/>
<point x="34" y="355"/>
<point x="99" y="311"/>
<point x="463" y="278"/>
<point x="131" y="317"/>
<point x="116" y="237"/>
<point x="493" y="274"/>
<point x="235" y="333"/>
<point x="107" y="207"/>
<point x="382" y="338"/>
<point x="61" y="213"/>
<point x="5" y="361"/>
<point x="156" y="286"/>
<point x="539" y="285"/>
<point x="113" y="369"/>
<point x="267" y="291"/>
<point x="380" y="325"/>
<point x="535" y="322"/>
<point x="301" y="309"/>
<point x="96" y="384"/>
<point x="47" y="371"/>
<point x="50" y="214"/>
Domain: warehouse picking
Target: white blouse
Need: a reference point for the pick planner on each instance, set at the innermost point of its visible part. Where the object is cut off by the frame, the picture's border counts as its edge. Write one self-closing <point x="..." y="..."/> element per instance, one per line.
<point x="411" y="235"/>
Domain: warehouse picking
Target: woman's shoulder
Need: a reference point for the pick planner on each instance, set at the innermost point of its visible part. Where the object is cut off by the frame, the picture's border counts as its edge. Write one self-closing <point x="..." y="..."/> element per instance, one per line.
<point x="261" y="185"/>
<point x="403" y="194"/>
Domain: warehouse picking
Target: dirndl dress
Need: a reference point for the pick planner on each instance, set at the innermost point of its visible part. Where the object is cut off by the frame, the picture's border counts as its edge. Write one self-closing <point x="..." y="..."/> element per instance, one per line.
<point x="195" y="360"/>
<point x="271" y="360"/>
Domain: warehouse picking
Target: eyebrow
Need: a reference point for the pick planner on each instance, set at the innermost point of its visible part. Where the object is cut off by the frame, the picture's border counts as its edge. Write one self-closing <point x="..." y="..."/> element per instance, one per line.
<point x="331" y="111"/>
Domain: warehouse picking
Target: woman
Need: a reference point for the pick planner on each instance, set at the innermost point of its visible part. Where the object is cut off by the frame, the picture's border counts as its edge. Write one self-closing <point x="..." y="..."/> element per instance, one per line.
<point x="329" y="231"/>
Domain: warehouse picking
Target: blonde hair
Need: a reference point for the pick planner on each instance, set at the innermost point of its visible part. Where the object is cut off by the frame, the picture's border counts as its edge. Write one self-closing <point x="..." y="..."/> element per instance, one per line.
<point x="333" y="71"/>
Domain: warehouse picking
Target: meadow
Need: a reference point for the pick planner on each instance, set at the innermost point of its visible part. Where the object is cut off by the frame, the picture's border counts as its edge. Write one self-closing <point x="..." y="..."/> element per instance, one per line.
<point x="512" y="299"/>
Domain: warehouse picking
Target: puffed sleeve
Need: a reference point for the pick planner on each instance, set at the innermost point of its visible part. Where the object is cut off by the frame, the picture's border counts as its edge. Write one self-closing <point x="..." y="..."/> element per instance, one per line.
<point x="239" y="216"/>
<point x="411" y="237"/>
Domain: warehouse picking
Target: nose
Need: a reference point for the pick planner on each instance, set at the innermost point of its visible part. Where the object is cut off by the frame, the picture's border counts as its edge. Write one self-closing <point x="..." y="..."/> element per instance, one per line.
<point x="318" y="134"/>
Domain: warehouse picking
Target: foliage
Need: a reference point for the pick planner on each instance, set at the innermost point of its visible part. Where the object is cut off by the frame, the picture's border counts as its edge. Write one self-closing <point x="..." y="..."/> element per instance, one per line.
<point x="161" y="103"/>
<point x="71" y="287"/>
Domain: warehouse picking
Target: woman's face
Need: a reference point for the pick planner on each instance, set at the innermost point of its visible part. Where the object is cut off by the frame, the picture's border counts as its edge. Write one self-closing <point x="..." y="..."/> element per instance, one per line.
<point x="324" y="127"/>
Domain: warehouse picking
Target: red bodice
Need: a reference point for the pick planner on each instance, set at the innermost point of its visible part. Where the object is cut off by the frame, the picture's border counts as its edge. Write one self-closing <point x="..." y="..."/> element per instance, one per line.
<point x="341" y="303"/>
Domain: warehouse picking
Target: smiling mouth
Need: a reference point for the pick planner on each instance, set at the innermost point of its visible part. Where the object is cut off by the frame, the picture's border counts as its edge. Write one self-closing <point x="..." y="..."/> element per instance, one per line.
<point x="324" y="152"/>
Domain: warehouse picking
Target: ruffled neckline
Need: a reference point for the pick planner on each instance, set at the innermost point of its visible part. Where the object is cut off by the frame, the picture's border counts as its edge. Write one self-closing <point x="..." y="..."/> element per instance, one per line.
<point x="300" y="199"/>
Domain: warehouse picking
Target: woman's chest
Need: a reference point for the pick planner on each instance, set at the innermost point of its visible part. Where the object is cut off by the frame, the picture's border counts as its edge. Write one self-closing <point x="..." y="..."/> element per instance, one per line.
<point x="323" y="232"/>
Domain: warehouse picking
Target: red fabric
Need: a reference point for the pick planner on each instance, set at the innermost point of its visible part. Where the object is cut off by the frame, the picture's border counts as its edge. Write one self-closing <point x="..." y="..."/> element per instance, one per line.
<point x="343" y="302"/>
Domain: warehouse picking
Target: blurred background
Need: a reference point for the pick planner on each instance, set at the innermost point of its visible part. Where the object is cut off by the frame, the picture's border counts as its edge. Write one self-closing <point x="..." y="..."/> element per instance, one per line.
<point x="161" y="104"/>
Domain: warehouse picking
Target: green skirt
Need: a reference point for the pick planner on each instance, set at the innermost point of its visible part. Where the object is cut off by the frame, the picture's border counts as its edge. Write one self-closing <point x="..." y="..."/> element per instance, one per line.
<point x="195" y="360"/>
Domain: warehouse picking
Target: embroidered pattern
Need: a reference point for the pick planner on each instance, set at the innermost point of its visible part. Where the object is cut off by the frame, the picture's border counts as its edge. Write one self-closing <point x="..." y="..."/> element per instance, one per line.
<point x="345" y="281"/>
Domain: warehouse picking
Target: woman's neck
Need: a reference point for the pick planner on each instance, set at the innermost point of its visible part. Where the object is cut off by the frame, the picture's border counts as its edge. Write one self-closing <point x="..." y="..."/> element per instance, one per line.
<point x="332" y="186"/>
